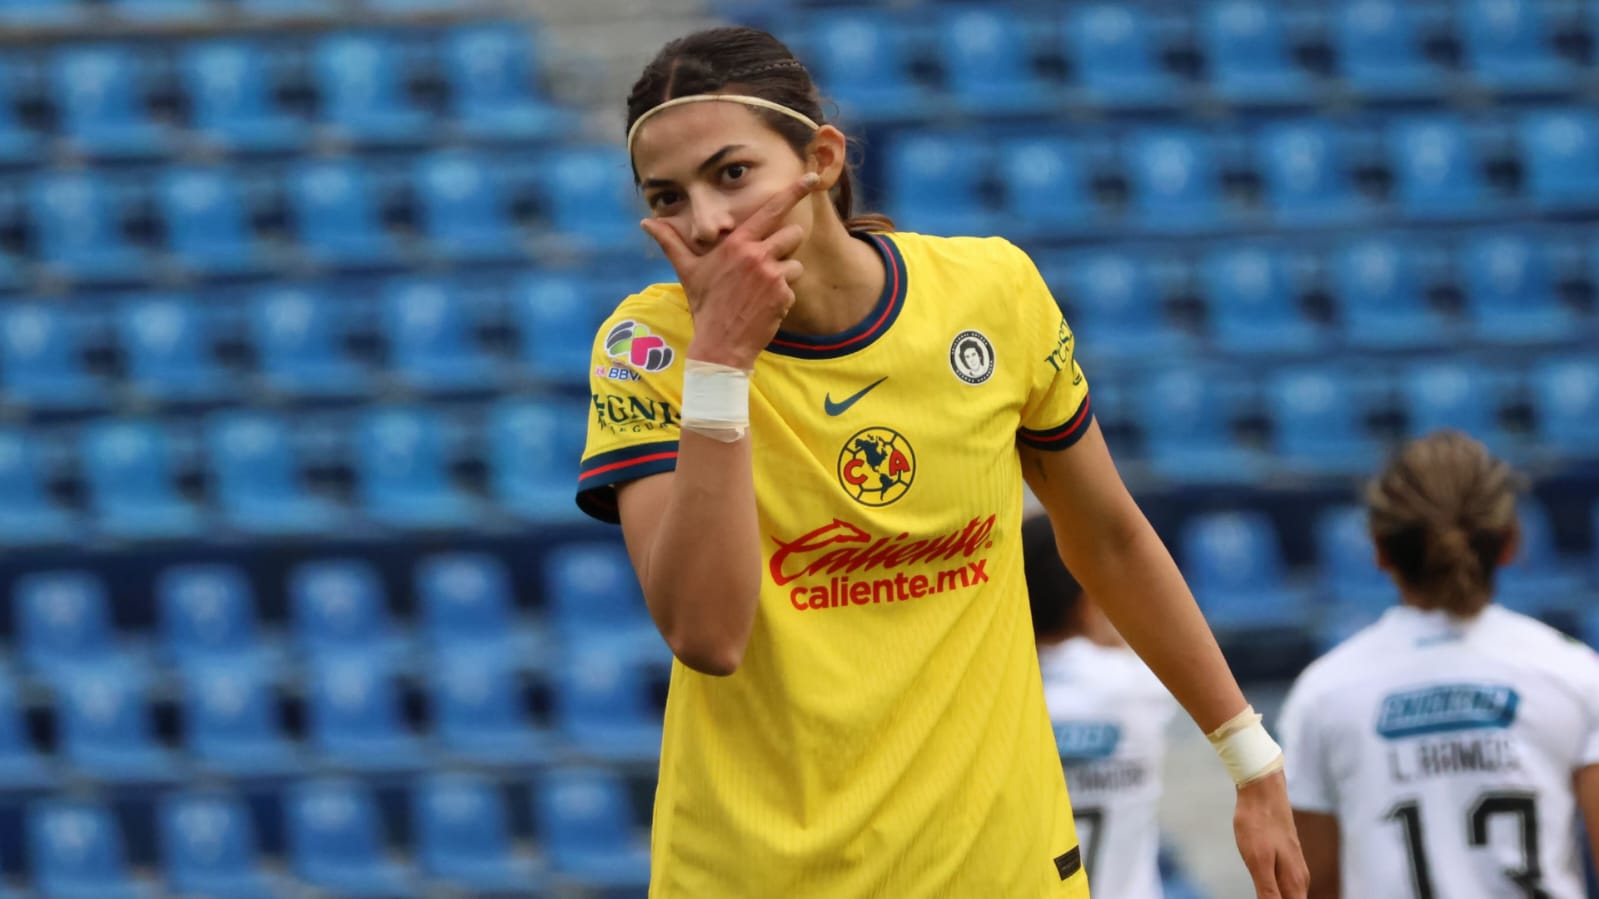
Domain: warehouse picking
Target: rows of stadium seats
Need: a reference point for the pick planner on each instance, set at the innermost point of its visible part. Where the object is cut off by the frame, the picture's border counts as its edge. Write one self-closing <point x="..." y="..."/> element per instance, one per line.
<point x="141" y="100"/>
<point x="1025" y="58"/>
<point x="38" y="14"/>
<point x="1280" y="174"/>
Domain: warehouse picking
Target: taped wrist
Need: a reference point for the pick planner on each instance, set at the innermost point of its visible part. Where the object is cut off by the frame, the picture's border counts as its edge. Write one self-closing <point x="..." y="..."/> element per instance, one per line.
<point x="1245" y="748"/>
<point x="716" y="400"/>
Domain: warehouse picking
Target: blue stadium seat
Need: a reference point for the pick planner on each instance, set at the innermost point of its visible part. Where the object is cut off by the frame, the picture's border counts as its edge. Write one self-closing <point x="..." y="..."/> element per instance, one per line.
<point x="478" y="711"/>
<point x="464" y="207"/>
<point x="42" y="12"/>
<point x="298" y="335"/>
<point x="1379" y="50"/>
<point x="590" y="198"/>
<point x="192" y="12"/>
<point x="232" y="723"/>
<point x="100" y="93"/>
<point x="1377" y="285"/>
<point x="1046" y="186"/>
<point x="207" y="615"/>
<point x="76" y="851"/>
<point x="1114" y="305"/>
<point x="128" y="465"/>
<point x="935" y="183"/>
<point x="1507" y="46"/>
<point x="987" y="58"/>
<point x="1234" y="562"/>
<point x="1318" y="420"/>
<point x="1510" y="290"/>
<point x="255" y="468"/>
<point x="1175" y="183"/>
<point x="588" y="828"/>
<point x="432" y="338"/>
<point x="337" y="842"/>
<point x="557" y="315"/>
<point x="338" y="215"/>
<point x="463" y="840"/>
<point x="209" y="847"/>
<point x="341" y="610"/>
<point x="22" y="766"/>
<point x="356" y="721"/>
<point x="1186" y="417"/>
<point x="492" y="69"/>
<point x="533" y="448"/>
<point x="1565" y="395"/>
<point x="41" y="358"/>
<point x="404" y="473"/>
<point x="291" y="9"/>
<point x="1560" y="153"/>
<point x="77" y="220"/>
<point x="362" y="83"/>
<point x="1452" y="394"/>
<point x="206" y="211"/>
<point x="603" y="704"/>
<point x="1356" y="590"/>
<point x="468" y="602"/>
<point x="107" y="729"/>
<point x="18" y="143"/>
<point x="231" y="85"/>
<point x="1438" y="173"/>
<point x="1114" y="56"/>
<point x="1306" y="174"/>
<point x="1538" y="581"/>
<point x="863" y="58"/>
<point x="1247" y="53"/>
<point x="169" y="345"/>
<point x="1254" y="303"/>
<point x="28" y="513"/>
<point x="64" y="623"/>
<point x="593" y="596"/>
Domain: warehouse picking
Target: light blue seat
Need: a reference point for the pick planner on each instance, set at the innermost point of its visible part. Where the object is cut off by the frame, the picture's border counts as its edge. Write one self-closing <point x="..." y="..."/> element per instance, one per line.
<point x="22" y="766"/>
<point x="29" y="515"/>
<point x="255" y="466"/>
<point x="1565" y="393"/>
<point x="298" y="335"/>
<point x="1318" y="417"/>
<point x="356" y="722"/>
<point x="18" y="143"/>
<point x="1508" y="47"/>
<point x="593" y="596"/>
<point x="1538" y="581"/>
<point x="340" y="610"/>
<point x="1114" y="56"/>
<point x="1234" y="562"/>
<point x="1253" y="302"/>
<point x="76" y="851"/>
<point x="100" y="93"/>
<point x="292" y="9"/>
<point x="1377" y="285"/>
<point x="1509" y="286"/>
<point x="1379" y="50"/>
<point x="232" y="723"/>
<point x="403" y="470"/>
<point x="361" y="80"/>
<point x="192" y="12"/>
<point x="1306" y="175"/>
<point x="987" y="58"/>
<point x="591" y="199"/>
<point x="337" y="216"/>
<point x="209" y="847"/>
<point x="468" y="602"/>
<point x="464" y="208"/>
<point x="337" y="842"/>
<point x="42" y="358"/>
<point x="492" y="69"/>
<point x="63" y="623"/>
<point x="107" y="731"/>
<point x="77" y="227"/>
<point x="1452" y="394"/>
<point x="1355" y="590"/>
<point x="603" y="704"/>
<point x="1046" y="186"/>
<point x="588" y="828"/>
<point x="1560" y="153"/>
<point x="556" y="316"/>
<point x="432" y="338"/>
<point x="1437" y="170"/>
<point x="207" y="616"/>
<point x="862" y="56"/>
<point x="231" y="84"/>
<point x="207" y="214"/>
<point x="130" y="470"/>
<point x="169" y="343"/>
<point x="935" y="183"/>
<point x="1247" y="53"/>
<point x="1115" y="304"/>
<point x="1186" y="415"/>
<point x="479" y="712"/>
<point x="1174" y="179"/>
<point x="533" y="448"/>
<point x="42" y="12"/>
<point x="464" y="836"/>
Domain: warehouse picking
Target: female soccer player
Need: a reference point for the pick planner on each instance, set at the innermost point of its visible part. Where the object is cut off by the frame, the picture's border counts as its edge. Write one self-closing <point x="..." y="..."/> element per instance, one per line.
<point x="821" y="494"/>
<point x="1445" y="751"/>
<point x="1110" y="716"/>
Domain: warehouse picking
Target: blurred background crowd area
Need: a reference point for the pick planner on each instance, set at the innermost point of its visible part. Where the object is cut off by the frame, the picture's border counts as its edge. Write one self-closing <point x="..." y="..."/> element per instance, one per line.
<point x="296" y="306"/>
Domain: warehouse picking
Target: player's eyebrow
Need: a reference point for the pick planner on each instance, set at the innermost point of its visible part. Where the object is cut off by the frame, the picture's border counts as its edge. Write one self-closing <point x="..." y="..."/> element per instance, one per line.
<point x="709" y="163"/>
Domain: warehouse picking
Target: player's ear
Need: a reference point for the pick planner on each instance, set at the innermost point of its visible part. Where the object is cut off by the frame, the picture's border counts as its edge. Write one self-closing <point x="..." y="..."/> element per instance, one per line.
<point x="1381" y="556"/>
<point x="826" y="156"/>
<point x="1507" y="553"/>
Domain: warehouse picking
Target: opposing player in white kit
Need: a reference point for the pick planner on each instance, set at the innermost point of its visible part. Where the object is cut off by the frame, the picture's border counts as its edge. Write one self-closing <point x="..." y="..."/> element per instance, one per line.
<point x="1446" y="751"/>
<point x="1110" y="715"/>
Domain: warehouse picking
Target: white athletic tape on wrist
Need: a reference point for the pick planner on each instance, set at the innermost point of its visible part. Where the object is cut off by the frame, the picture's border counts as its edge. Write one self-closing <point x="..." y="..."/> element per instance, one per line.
<point x="1245" y="748"/>
<point x="716" y="400"/>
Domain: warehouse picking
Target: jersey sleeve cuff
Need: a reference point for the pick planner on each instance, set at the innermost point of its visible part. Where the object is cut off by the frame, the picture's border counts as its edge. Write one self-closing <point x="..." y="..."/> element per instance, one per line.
<point x="1063" y="436"/>
<point x="600" y="474"/>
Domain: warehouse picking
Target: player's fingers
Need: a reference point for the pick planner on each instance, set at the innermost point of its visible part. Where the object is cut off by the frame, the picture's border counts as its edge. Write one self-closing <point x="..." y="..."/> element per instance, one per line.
<point x="785" y="241"/>
<point x="771" y="214"/>
<point x="792" y="269"/>
<point x="1293" y="878"/>
<point x="671" y="243"/>
<point x="1262" y="865"/>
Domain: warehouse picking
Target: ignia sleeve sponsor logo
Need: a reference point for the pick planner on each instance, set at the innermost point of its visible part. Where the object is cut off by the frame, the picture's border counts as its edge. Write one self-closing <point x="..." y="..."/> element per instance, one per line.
<point x="820" y="563"/>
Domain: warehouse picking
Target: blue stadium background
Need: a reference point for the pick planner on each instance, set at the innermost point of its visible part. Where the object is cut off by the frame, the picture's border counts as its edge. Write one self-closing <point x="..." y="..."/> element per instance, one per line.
<point x="295" y="305"/>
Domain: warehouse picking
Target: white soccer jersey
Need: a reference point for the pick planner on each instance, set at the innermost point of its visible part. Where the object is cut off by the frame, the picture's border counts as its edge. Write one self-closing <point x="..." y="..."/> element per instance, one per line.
<point x="1446" y="750"/>
<point x="1110" y="716"/>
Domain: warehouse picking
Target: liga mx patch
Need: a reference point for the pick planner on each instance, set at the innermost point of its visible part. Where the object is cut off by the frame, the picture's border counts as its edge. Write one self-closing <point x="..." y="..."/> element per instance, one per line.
<point x="1070" y="862"/>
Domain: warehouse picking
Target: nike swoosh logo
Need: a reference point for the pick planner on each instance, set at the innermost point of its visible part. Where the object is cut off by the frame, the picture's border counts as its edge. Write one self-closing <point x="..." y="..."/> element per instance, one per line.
<point x="839" y="408"/>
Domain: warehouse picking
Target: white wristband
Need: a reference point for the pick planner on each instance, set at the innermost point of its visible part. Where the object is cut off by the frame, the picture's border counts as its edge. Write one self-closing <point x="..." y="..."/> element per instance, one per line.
<point x="716" y="400"/>
<point x="1245" y="748"/>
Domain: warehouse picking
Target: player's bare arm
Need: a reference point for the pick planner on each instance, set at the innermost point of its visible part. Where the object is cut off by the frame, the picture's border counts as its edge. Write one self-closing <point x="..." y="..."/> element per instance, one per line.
<point x="1587" y="784"/>
<point x="1318" y="834"/>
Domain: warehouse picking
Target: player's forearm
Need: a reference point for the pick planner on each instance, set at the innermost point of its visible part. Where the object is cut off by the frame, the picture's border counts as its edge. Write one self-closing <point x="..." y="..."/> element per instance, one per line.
<point x="1133" y="578"/>
<point x="704" y="572"/>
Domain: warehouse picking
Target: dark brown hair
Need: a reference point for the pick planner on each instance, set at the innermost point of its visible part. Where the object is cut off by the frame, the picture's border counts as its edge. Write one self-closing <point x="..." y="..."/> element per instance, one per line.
<point x="1442" y="513"/>
<point x="746" y="61"/>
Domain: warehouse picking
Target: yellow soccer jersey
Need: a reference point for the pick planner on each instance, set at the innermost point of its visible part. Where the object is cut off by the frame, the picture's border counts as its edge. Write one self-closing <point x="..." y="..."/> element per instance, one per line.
<point x="886" y="734"/>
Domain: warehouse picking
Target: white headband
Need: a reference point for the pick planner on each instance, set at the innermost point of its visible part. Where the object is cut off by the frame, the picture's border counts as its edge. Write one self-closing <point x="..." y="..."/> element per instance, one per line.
<point x="706" y="98"/>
